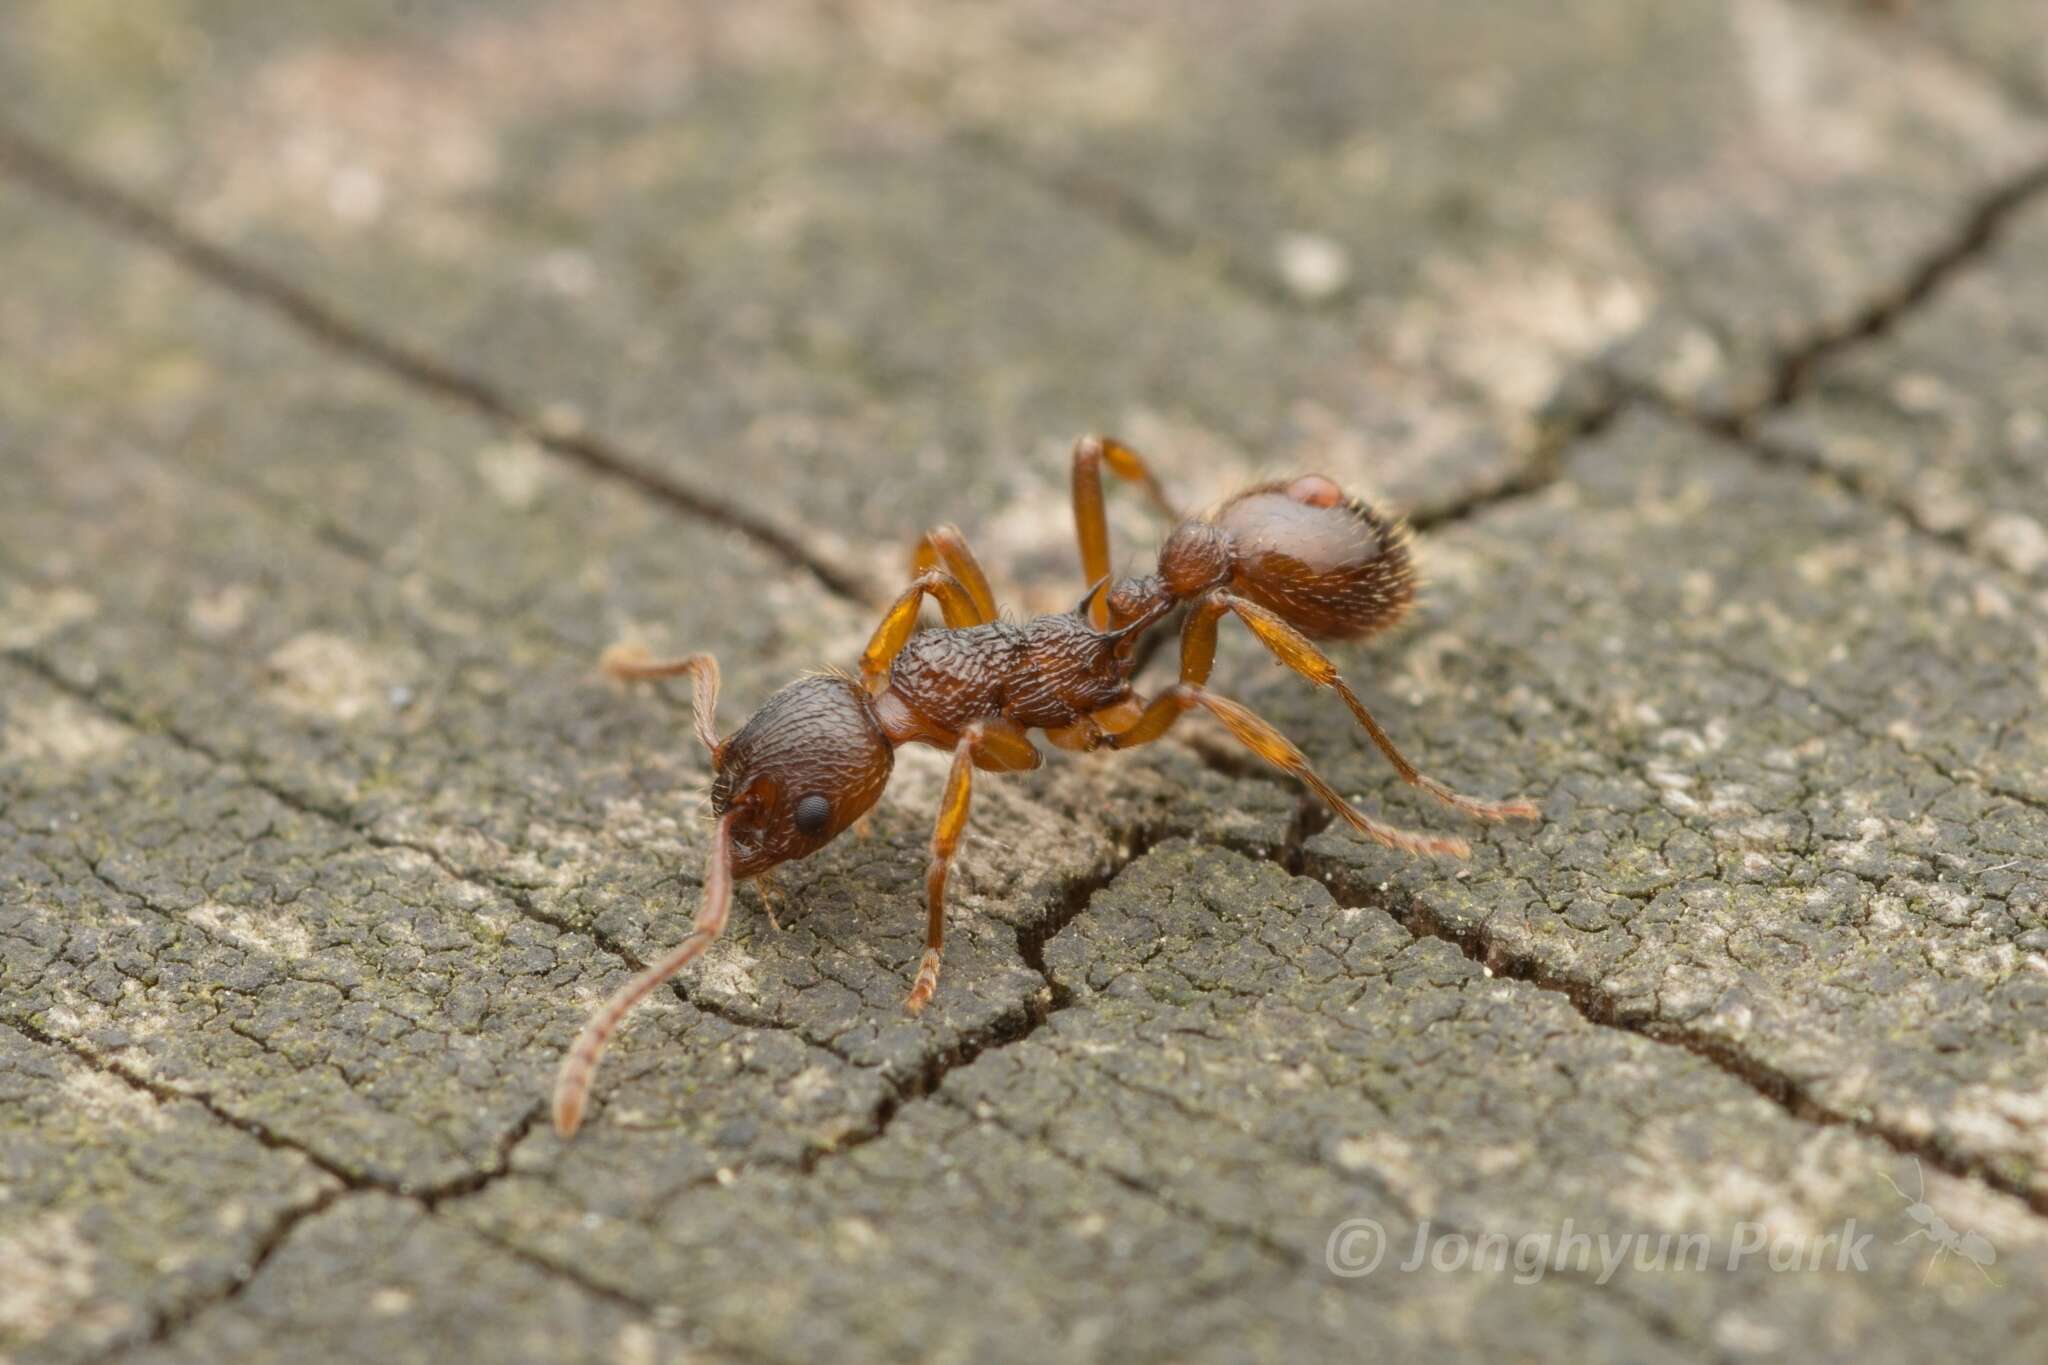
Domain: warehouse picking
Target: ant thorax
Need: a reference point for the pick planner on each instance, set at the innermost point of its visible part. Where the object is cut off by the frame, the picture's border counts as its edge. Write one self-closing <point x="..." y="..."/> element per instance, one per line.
<point x="1047" y="673"/>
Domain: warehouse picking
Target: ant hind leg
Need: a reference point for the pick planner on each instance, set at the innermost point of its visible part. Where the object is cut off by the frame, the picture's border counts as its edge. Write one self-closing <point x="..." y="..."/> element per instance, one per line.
<point x="1268" y="743"/>
<point x="1299" y="653"/>
<point x="1197" y="654"/>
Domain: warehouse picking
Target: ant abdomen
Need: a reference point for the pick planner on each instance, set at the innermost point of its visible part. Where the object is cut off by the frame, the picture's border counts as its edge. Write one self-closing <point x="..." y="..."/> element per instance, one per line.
<point x="1331" y="565"/>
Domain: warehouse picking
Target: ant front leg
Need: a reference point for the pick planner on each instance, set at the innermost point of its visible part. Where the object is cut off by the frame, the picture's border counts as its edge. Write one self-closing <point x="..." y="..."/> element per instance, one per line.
<point x="943" y="547"/>
<point x="945" y="840"/>
<point x="1198" y="654"/>
<point x="1091" y="522"/>
<point x="993" y="744"/>
<point x="1299" y="653"/>
<point x="772" y="897"/>
<point x="955" y="603"/>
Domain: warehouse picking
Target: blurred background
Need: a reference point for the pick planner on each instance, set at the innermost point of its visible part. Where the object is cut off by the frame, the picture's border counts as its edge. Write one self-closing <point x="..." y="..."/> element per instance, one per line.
<point x="762" y="241"/>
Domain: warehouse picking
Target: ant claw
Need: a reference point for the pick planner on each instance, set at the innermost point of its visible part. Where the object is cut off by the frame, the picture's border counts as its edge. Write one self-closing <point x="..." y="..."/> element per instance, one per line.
<point x="926" y="986"/>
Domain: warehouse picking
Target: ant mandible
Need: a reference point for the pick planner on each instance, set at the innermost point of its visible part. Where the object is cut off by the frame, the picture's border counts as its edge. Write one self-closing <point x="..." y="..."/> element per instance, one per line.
<point x="1295" y="561"/>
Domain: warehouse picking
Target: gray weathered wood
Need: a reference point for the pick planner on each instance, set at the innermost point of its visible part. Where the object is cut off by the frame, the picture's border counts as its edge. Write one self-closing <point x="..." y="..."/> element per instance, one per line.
<point x="364" y="370"/>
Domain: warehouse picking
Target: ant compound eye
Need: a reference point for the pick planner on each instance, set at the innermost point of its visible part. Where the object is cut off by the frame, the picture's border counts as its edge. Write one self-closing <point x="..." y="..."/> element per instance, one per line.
<point x="812" y="814"/>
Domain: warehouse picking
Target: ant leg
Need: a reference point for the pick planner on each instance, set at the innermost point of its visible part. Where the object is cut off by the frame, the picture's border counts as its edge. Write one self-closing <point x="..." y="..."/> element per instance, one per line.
<point x="1092" y="731"/>
<point x="1000" y="747"/>
<point x="1296" y="650"/>
<point x="901" y="619"/>
<point x="579" y="1064"/>
<point x="1083" y="736"/>
<point x="771" y="897"/>
<point x="630" y="663"/>
<point x="1091" y="523"/>
<point x="1197" y="655"/>
<point x="944" y="547"/>
<point x="945" y="839"/>
<point x="1269" y="744"/>
<point x="1105" y="728"/>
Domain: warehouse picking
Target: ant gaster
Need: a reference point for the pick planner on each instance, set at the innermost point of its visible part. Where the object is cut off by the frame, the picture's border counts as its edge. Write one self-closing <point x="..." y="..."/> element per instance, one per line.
<point x="1295" y="561"/>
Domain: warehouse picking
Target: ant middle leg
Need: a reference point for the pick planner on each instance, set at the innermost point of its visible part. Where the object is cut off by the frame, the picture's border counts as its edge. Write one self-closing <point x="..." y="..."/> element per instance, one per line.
<point x="1091" y="522"/>
<point x="1299" y="653"/>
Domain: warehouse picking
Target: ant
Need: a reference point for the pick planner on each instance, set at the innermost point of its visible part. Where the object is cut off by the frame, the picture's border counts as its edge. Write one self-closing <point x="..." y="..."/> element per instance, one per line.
<point x="1294" y="560"/>
<point x="1973" y="1247"/>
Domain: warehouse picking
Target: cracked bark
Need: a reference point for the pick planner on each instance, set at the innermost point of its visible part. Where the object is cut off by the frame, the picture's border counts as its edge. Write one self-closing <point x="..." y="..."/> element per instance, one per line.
<point x="1601" y="1008"/>
<point x="1975" y="234"/>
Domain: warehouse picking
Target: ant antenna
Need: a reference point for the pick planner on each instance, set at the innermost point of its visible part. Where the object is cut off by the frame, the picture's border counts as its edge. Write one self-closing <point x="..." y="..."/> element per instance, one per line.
<point x="579" y="1064"/>
<point x="630" y="663"/>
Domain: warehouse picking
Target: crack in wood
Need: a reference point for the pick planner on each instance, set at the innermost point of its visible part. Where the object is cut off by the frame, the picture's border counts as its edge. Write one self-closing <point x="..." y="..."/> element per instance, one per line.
<point x="115" y="209"/>
<point x="346" y="1182"/>
<point x="1975" y="234"/>
<point x="1600" y="1007"/>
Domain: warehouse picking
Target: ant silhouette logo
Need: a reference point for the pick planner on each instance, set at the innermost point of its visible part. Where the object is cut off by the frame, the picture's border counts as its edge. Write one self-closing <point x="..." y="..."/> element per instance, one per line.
<point x="1971" y="1246"/>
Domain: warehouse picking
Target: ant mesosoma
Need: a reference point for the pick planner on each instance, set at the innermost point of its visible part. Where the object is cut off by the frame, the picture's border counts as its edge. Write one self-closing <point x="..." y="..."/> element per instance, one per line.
<point x="1293" y="560"/>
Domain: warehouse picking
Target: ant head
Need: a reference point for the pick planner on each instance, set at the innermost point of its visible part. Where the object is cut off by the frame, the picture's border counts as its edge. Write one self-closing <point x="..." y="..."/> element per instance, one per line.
<point x="809" y="763"/>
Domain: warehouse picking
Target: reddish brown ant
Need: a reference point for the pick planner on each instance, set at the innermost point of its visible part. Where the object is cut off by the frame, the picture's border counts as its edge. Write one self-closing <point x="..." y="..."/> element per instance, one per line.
<point x="1292" y="560"/>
